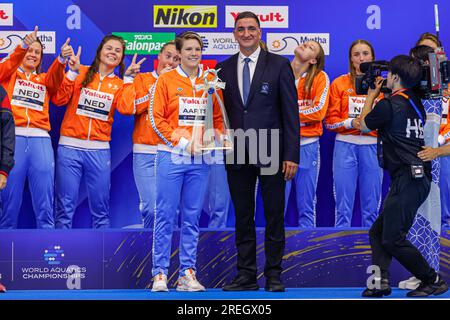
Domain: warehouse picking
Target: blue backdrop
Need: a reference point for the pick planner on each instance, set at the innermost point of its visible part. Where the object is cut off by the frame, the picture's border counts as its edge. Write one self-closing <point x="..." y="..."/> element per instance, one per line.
<point x="391" y="26"/>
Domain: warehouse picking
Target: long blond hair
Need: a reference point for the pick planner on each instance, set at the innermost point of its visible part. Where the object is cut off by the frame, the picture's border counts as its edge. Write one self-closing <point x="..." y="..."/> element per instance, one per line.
<point x="314" y="70"/>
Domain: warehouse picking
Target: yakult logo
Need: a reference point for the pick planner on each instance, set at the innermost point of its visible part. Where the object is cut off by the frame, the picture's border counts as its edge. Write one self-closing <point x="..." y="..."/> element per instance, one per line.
<point x="358" y="100"/>
<point x="6" y="14"/>
<point x="99" y="95"/>
<point x="31" y="85"/>
<point x="194" y="101"/>
<point x="269" y="16"/>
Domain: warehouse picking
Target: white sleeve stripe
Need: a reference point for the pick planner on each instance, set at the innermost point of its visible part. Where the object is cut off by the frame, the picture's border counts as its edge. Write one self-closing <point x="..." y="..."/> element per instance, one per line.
<point x="152" y="119"/>
<point x="323" y="98"/>
<point x="142" y="99"/>
<point x="335" y="125"/>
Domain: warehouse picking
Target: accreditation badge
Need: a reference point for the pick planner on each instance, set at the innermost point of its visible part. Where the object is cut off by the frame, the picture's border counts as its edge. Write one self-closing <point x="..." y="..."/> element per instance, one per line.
<point x="94" y="104"/>
<point x="445" y="111"/>
<point x="355" y="106"/>
<point x="28" y="94"/>
<point x="192" y="111"/>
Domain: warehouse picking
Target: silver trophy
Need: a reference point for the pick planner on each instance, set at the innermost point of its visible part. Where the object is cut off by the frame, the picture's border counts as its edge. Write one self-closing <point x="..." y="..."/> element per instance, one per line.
<point x="204" y="135"/>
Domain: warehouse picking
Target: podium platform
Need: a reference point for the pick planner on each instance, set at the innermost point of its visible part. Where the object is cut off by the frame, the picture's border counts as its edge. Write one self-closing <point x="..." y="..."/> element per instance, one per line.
<point x="122" y="259"/>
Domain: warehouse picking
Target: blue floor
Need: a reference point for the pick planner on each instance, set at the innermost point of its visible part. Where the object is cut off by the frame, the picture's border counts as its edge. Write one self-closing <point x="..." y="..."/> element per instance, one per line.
<point x="210" y="294"/>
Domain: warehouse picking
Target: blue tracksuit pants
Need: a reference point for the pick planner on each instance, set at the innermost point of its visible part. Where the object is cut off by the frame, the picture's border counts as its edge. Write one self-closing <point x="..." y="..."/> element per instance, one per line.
<point x="183" y="186"/>
<point x="356" y="165"/>
<point x="71" y="165"/>
<point x="218" y="199"/>
<point x="145" y="178"/>
<point x="34" y="160"/>
<point x="306" y="184"/>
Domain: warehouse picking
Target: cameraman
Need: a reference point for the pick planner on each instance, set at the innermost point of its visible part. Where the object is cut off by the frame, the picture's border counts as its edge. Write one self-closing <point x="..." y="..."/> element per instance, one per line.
<point x="400" y="120"/>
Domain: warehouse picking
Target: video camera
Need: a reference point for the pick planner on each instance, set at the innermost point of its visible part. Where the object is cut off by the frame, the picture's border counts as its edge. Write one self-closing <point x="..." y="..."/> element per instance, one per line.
<point x="435" y="75"/>
<point x="372" y="70"/>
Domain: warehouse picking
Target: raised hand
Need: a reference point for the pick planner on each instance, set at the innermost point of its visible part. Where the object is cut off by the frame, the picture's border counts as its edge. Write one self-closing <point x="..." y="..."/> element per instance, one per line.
<point x="167" y="68"/>
<point x="74" y="61"/>
<point x="31" y="38"/>
<point x="134" y="68"/>
<point x="66" y="50"/>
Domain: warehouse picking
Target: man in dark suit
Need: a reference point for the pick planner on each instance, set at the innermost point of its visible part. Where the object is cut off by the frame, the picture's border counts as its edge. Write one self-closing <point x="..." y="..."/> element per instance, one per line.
<point x="260" y="99"/>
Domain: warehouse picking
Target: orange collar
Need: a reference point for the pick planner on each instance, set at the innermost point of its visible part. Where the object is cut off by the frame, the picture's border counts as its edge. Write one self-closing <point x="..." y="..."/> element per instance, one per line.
<point x="400" y="92"/>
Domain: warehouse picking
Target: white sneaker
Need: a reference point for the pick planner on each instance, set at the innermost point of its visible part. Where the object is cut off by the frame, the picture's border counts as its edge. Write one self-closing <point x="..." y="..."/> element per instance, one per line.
<point x="189" y="282"/>
<point x="411" y="284"/>
<point x="160" y="283"/>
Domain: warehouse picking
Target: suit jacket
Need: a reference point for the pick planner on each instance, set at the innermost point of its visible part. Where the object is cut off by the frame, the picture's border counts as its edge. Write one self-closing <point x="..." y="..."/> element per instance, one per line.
<point x="7" y="134"/>
<point x="271" y="104"/>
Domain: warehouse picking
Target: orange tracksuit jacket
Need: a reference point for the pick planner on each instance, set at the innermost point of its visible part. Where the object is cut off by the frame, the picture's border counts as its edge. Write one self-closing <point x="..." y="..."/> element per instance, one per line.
<point x="10" y="75"/>
<point x="143" y="132"/>
<point x="85" y="127"/>
<point x="338" y="117"/>
<point x="170" y="90"/>
<point x="312" y="110"/>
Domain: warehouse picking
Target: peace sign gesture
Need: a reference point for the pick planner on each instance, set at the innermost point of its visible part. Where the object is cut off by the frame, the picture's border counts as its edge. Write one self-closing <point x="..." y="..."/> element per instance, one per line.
<point x="74" y="61"/>
<point x="31" y="38"/>
<point x="134" y="68"/>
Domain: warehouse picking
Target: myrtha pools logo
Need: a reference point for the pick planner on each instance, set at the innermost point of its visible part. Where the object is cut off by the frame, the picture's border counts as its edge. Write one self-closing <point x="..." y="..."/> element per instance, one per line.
<point x="53" y="255"/>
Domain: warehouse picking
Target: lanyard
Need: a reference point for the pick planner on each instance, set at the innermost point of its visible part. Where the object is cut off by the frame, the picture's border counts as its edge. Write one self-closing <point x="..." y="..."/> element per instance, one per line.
<point x="417" y="111"/>
<point x="400" y="92"/>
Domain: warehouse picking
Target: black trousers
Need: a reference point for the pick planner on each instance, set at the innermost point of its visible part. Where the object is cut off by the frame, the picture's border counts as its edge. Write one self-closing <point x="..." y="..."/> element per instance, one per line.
<point x="388" y="233"/>
<point x="242" y="189"/>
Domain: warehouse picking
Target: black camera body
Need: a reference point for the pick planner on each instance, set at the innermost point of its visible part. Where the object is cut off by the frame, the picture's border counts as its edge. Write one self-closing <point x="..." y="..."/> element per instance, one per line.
<point x="371" y="70"/>
<point x="435" y="75"/>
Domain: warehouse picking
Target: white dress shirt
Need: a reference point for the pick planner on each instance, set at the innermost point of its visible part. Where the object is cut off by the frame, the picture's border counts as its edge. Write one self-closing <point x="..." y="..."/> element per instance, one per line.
<point x="251" y="65"/>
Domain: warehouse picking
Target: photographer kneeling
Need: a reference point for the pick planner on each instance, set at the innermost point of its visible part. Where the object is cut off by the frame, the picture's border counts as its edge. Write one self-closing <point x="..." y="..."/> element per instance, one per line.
<point x="400" y="120"/>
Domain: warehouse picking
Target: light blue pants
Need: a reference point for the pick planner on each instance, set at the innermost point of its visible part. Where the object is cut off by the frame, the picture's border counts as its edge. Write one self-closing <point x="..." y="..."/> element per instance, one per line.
<point x="34" y="160"/>
<point x="71" y="165"/>
<point x="177" y="182"/>
<point x="145" y="179"/>
<point x="218" y="199"/>
<point x="444" y="186"/>
<point x="356" y="164"/>
<point x="306" y="184"/>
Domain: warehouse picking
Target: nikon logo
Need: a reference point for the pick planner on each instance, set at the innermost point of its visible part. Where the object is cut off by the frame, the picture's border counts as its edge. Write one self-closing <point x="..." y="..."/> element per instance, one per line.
<point x="185" y="16"/>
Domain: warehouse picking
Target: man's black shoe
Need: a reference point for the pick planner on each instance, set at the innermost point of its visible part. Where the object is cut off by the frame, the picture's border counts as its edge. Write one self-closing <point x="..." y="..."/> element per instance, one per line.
<point x="426" y="289"/>
<point x="274" y="284"/>
<point x="376" y="293"/>
<point x="384" y="290"/>
<point x="241" y="283"/>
